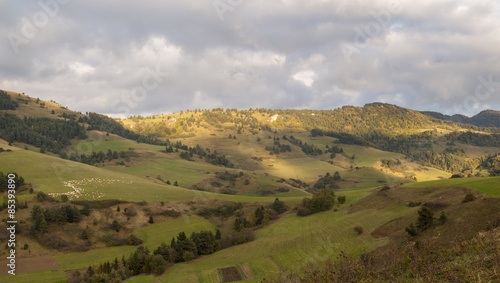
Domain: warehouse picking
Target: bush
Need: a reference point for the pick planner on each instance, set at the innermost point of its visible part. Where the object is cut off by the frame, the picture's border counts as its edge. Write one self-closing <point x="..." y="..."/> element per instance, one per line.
<point x="53" y="242"/>
<point x="411" y="230"/>
<point x="358" y="229"/>
<point x="187" y="256"/>
<point x="84" y="235"/>
<point x="442" y="218"/>
<point x="132" y="240"/>
<point x="249" y="234"/>
<point x="322" y="200"/>
<point x="468" y="198"/>
<point x="425" y="219"/>
<point x="302" y="211"/>
<point x="115" y="226"/>
<point x="413" y="204"/>
<point x="130" y="211"/>
<point x="341" y="199"/>
<point x="279" y="206"/>
<point x="158" y="264"/>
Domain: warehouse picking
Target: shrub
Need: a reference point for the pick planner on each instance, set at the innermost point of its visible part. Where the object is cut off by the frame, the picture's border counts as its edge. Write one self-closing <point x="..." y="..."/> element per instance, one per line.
<point x="425" y="218"/>
<point x="248" y="234"/>
<point x="468" y="198"/>
<point x="115" y="226"/>
<point x="158" y="264"/>
<point x="84" y="235"/>
<point x="53" y="242"/>
<point x="187" y="256"/>
<point x="133" y="240"/>
<point x="358" y="229"/>
<point x="341" y="199"/>
<point x="442" y="218"/>
<point x="413" y="204"/>
<point x="279" y="206"/>
<point x="302" y="211"/>
<point x="411" y="230"/>
<point x="130" y="211"/>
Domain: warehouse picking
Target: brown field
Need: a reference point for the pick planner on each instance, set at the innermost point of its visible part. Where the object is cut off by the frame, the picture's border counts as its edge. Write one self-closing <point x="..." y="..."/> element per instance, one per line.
<point x="230" y="274"/>
<point x="30" y="264"/>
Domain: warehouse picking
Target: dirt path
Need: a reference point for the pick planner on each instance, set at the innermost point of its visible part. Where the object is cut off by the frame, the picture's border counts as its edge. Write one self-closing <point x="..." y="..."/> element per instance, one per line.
<point x="30" y="264"/>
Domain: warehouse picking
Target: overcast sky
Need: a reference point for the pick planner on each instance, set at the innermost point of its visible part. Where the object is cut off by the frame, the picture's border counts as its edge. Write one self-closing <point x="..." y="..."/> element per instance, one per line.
<point x="160" y="56"/>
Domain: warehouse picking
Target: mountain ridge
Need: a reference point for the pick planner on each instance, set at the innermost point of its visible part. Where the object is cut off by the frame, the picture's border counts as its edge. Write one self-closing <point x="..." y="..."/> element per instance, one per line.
<point x="485" y="118"/>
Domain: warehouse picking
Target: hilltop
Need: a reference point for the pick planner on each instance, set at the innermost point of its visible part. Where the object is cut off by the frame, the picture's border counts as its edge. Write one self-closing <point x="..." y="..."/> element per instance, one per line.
<point x="486" y="118"/>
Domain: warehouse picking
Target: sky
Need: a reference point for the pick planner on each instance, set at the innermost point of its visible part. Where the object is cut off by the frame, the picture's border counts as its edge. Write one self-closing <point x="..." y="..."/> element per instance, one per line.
<point x="127" y="57"/>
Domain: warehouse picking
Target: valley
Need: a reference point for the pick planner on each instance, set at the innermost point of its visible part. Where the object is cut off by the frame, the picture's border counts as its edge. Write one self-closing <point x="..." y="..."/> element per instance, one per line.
<point x="287" y="191"/>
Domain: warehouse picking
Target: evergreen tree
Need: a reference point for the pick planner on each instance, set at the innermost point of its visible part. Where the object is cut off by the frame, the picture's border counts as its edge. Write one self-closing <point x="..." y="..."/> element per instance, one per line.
<point x="425" y="219"/>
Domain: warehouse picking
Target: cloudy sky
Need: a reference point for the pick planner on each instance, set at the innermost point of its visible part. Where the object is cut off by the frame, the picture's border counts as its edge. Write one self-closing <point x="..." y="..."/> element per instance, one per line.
<point x="161" y="56"/>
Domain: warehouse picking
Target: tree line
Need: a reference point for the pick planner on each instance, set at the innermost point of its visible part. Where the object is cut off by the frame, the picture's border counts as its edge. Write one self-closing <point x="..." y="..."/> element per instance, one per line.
<point x="6" y="103"/>
<point x="95" y="157"/>
<point x="4" y="181"/>
<point x="142" y="261"/>
<point x="51" y="134"/>
<point x="189" y="152"/>
<point x="109" y="125"/>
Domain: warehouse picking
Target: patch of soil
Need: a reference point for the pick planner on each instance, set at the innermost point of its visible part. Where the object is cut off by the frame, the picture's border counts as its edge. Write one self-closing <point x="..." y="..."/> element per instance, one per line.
<point x="30" y="264"/>
<point x="230" y="274"/>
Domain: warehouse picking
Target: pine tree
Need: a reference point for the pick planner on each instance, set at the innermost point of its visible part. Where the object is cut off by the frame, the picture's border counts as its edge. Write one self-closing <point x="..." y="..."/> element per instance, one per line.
<point x="425" y="219"/>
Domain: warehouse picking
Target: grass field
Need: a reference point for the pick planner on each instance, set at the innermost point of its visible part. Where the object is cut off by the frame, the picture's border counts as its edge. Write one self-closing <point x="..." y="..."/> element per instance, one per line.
<point x="50" y="173"/>
<point x="291" y="243"/>
<point x="152" y="235"/>
<point x="186" y="173"/>
<point x="53" y="276"/>
<point x="99" y="141"/>
<point x="489" y="185"/>
<point x="306" y="168"/>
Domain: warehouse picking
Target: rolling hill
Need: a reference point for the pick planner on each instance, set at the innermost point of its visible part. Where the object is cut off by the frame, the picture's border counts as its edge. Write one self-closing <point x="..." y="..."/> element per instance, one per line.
<point x="107" y="187"/>
<point x="486" y="118"/>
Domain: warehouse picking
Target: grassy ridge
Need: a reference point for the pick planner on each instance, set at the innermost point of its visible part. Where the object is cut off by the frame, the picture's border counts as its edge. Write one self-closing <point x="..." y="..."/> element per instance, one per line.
<point x="489" y="186"/>
<point x="50" y="173"/>
<point x="292" y="242"/>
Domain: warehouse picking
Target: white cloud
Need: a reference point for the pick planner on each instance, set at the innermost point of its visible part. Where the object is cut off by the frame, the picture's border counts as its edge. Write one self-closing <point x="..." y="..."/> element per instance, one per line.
<point x="81" y="69"/>
<point x="306" y="77"/>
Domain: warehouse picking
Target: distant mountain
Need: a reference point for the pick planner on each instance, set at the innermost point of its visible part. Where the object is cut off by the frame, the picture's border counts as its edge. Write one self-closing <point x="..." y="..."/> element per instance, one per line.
<point x="487" y="118"/>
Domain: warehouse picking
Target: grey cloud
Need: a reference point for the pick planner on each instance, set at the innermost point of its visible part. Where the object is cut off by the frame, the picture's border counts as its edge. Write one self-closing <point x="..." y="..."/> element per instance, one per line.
<point x="277" y="54"/>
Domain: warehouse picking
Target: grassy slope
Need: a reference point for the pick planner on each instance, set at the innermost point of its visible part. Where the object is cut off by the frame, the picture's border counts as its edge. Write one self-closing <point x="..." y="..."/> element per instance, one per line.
<point x="36" y="110"/>
<point x="291" y="243"/>
<point x="98" y="140"/>
<point x="49" y="173"/>
<point x="152" y="235"/>
<point x="489" y="186"/>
